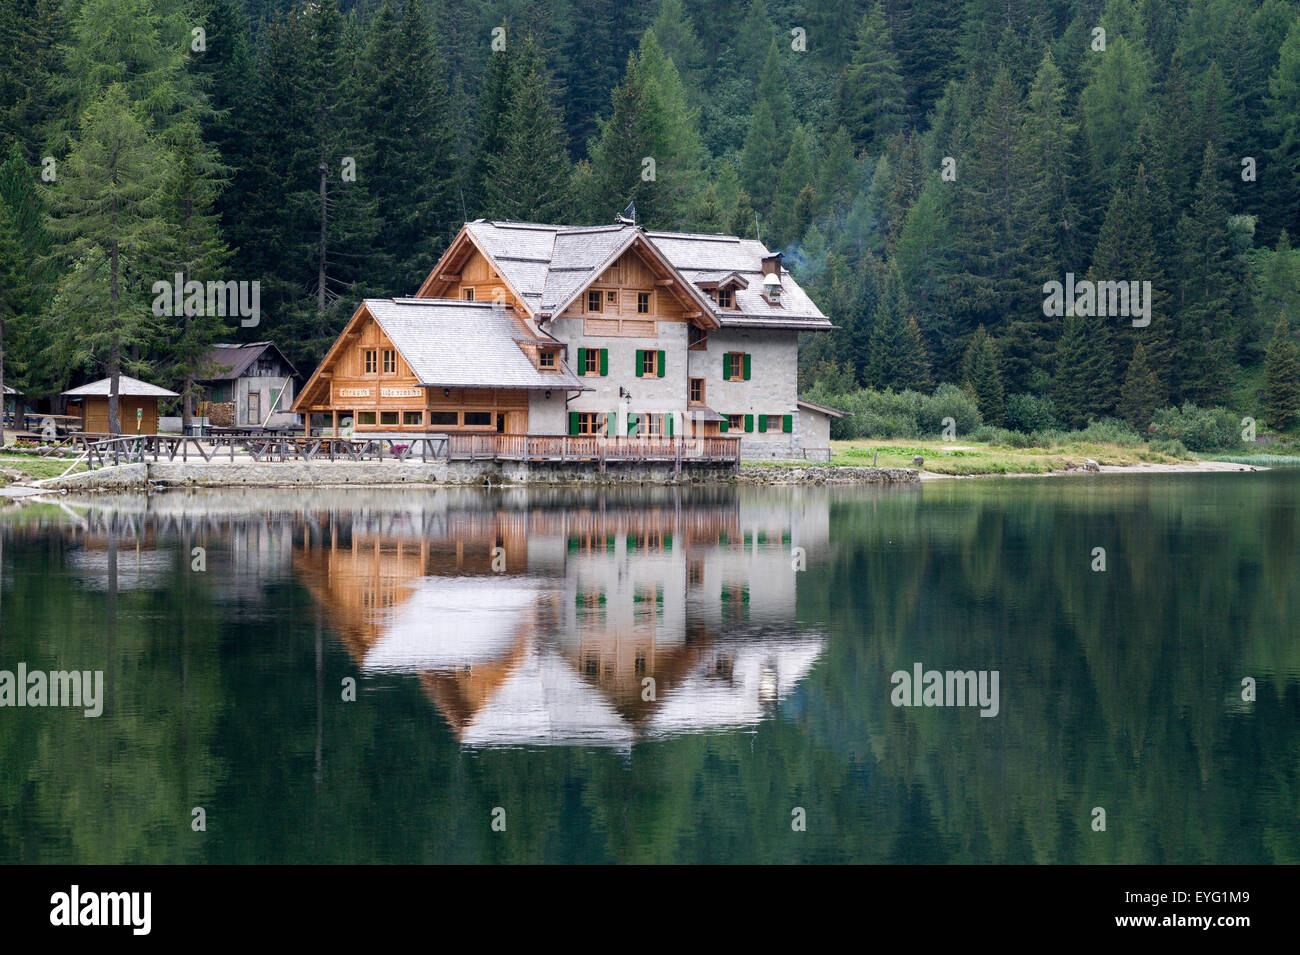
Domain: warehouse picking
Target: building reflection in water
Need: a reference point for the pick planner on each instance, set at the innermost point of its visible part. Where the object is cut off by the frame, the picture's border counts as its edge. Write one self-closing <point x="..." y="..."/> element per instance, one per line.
<point x="600" y="624"/>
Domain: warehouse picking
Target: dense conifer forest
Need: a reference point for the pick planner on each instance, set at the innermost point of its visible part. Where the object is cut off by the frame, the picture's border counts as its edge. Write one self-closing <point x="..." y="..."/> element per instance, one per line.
<point x="928" y="167"/>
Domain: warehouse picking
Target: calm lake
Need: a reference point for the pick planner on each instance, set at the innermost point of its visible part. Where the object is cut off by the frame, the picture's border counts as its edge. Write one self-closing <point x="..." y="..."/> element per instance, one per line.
<point x="660" y="675"/>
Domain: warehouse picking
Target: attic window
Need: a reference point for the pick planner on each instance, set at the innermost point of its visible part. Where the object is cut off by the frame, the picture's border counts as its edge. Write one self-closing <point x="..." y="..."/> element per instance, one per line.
<point x="724" y="298"/>
<point x="643" y="303"/>
<point x="469" y="294"/>
<point x="546" y="359"/>
<point x="593" y="301"/>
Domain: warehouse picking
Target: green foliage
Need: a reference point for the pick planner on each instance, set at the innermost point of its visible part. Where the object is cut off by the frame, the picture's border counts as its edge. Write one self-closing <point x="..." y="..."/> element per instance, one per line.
<point x="1282" y="378"/>
<point x="981" y="377"/>
<point x="1030" y="412"/>
<point x="1199" y="429"/>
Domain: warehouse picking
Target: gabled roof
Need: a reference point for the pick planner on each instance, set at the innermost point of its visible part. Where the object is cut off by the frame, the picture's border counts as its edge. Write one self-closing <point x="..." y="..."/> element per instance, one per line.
<point x="452" y="344"/>
<point x="231" y="361"/>
<point x="548" y="266"/>
<point x="130" y="387"/>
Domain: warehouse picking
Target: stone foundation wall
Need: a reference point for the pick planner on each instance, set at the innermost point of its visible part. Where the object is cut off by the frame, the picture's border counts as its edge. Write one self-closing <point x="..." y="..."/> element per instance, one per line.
<point x="466" y="473"/>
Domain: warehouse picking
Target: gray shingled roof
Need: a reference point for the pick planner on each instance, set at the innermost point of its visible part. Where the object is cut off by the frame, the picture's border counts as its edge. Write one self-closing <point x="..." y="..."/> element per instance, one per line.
<point x="231" y="361"/>
<point x="453" y="344"/>
<point x="547" y="264"/>
<point x="132" y="387"/>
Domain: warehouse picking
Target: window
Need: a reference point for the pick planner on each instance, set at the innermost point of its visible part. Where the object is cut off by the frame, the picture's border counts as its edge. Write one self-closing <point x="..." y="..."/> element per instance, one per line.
<point x="593" y="301"/>
<point x="469" y="294"/>
<point x="591" y="422"/>
<point x="735" y="422"/>
<point x="546" y="359"/>
<point x="639" y="664"/>
<point x="478" y="419"/>
<point x="443" y="418"/>
<point x="699" y="339"/>
<point x="591" y="361"/>
<point x="724" y="298"/>
<point x="371" y="361"/>
<point x="412" y="419"/>
<point x="611" y="296"/>
<point x="773" y="422"/>
<point x="390" y="361"/>
<point x="643" y="303"/>
<point x="365" y="417"/>
<point x="388" y="417"/>
<point x="735" y="366"/>
<point x="697" y="390"/>
<point x="653" y="425"/>
<point x="649" y="363"/>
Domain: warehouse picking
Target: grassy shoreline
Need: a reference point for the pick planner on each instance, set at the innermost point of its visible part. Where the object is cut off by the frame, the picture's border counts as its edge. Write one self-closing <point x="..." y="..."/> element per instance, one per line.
<point x="970" y="458"/>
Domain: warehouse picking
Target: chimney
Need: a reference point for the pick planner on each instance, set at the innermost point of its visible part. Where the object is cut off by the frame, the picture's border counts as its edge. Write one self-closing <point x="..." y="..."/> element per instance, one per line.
<point x="772" y="277"/>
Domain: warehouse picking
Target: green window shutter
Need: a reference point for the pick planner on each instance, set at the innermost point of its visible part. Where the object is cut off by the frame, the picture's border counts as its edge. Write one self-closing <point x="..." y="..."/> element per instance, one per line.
<point x="726" y="366"/>
<point x="749" y="422"/>
<point x="640" y="361"/>
<point x="661" y="364"/>
<point x="787" y="423"/>
<point x="722" y="426"/>
<point x="631" y="423"/>
<point x="747" y="366"/>
<point x="582" y="361"/>
<point x="604" y="361"/>
<point x="762" y="424"/>
<point x="670" y="416"/>
<point x="611" y="424"/>
<point x="573" y="422"/>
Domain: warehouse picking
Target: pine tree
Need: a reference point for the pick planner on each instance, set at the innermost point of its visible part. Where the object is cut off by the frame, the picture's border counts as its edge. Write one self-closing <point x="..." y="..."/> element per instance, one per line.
<point x="1142" y="393"/>
<point x="1283" y="121"/>
<point x="981" y="377"/>
<point x="1072" y="381"/>
<point x="529" y="180"/>
<point x="761" y="159"/>
<point x="13" y="291"/>
<point x="887" y="346"/>
<point x="1282" y="378"/>
<point x="105" y="211"/>
<point x="192" y="248"/>
<point x="404" y="111"/>
<point x="871" y="99"/>
<point x="490" y="134"/>
<point x="914" y="366"/>
<point x="1207" y="328"/>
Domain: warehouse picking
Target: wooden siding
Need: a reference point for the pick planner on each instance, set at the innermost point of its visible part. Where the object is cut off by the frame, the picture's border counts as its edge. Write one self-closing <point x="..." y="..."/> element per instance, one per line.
<point x="94" y="414"/>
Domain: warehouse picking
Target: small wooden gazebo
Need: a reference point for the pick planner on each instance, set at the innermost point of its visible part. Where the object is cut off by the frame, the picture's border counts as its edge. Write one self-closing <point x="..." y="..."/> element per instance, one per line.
<point x="137" y="403"/>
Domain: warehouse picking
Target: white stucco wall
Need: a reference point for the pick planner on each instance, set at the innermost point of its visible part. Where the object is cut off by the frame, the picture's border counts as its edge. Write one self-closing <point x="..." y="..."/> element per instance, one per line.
<point x="772" y="388"/>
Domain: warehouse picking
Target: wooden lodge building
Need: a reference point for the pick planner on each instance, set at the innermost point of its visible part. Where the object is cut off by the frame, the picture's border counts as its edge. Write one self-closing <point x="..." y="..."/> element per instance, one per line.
<point x="528" y="329"/>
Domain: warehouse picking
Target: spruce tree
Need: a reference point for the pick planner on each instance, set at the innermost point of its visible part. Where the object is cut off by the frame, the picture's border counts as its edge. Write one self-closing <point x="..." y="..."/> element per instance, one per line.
<point x="490" y="134"/>
<point x="13" y="291"/>
<point x="981" y="377"/>
<point x="1283" y="121"/>
<point x="405" y="113"/>
<point x="1282" y="378"/>
<point x="529" y="180"/>
<point x="871" y="99"/>
<point x="1141" y="394"/>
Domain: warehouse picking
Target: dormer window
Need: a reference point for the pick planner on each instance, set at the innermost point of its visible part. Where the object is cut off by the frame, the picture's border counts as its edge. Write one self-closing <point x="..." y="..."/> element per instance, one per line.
<point x="546" y="359"/>
<point x="724" y="298"/>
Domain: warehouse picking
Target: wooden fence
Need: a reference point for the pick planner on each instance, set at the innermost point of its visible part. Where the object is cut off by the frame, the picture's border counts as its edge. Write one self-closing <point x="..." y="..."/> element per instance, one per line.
<point x="599" y="450"/>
